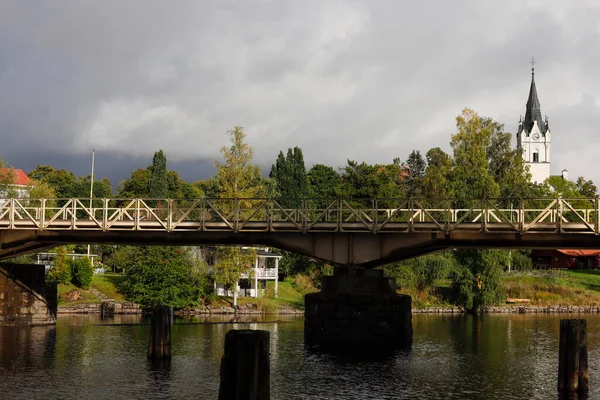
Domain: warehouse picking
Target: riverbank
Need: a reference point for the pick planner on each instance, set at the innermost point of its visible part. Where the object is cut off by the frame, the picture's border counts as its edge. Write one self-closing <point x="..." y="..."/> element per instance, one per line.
<point x="543" y="292"/>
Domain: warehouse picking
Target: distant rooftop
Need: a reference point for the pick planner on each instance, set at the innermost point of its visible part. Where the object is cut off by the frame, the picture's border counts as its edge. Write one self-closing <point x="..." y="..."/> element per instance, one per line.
<point x="20" y="177"/>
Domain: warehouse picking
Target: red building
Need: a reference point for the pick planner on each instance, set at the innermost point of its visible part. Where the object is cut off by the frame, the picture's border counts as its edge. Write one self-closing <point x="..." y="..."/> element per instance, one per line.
<point x="573" y="259"/>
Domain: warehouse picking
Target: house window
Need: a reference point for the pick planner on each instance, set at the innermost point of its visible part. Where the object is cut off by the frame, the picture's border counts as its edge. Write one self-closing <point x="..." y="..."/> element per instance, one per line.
<point x="536" y="156"/>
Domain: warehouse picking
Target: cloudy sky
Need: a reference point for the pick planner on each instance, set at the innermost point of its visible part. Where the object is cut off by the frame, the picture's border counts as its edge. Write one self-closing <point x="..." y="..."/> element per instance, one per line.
<point x="362" y="80"/>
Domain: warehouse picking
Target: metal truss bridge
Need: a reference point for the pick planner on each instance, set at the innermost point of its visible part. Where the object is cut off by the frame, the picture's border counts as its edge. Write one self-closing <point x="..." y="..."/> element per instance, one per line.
<point x="366" y="232"/>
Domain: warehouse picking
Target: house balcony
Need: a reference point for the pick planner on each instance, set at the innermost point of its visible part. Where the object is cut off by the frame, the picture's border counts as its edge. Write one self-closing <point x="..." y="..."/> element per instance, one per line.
<point x="261" y="274"/>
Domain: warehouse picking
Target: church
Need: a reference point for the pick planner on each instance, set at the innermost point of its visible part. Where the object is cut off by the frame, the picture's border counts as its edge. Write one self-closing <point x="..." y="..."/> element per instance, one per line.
<point x="534" y="137"/>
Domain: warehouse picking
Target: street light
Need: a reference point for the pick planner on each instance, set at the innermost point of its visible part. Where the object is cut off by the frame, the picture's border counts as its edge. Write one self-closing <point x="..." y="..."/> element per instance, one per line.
<point x="91" y="196"/>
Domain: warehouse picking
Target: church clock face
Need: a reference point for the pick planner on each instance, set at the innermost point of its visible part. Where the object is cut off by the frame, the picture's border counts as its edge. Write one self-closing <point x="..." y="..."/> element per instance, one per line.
<point x="535" y="136"/>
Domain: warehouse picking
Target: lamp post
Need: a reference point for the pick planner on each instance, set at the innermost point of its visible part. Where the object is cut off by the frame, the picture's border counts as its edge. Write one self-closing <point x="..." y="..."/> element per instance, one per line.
<point x="91" y="195"/>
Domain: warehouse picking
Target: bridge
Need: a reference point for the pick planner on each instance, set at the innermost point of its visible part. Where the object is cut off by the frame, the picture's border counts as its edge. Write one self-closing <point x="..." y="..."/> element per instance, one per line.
<point x="367" y="232"/>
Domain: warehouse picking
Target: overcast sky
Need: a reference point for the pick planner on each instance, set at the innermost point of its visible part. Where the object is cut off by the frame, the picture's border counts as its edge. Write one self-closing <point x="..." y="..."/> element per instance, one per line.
<point x="362" y="80"/>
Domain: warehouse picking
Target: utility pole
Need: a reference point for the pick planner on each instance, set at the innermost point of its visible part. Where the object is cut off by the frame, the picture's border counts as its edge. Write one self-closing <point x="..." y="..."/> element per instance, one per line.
<point x="91" y="195"/>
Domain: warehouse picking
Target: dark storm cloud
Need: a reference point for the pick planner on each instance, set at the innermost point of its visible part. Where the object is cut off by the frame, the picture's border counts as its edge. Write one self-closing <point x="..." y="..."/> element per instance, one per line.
<point x="341" y="79"/>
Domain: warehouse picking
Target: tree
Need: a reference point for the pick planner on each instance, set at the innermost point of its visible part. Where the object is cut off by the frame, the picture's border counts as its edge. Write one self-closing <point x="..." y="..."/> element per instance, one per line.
<point x="162" y="275"/>
<point x="237" y="177"/>
<point x="136" y="186"/>
<point x="586" y="188"/>
<point x="436" y="179"/>
<point x="7" y="178"/>
<point x="471" y="177"/>
<point x="82" y="272"/>
<point x="61" y="271"/>
<point x="413" y="180"/>
<point x="289" y="174"/>
<point x="232" y="262"/>
<point x="323" y="184"/>
<point x="507" y="166"/>
<point x="477" y="284"/>
<point x="158" y="185"/>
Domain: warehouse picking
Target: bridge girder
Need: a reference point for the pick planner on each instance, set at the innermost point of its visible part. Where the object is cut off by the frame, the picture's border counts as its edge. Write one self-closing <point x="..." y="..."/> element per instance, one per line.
<point x="345" y="248"/>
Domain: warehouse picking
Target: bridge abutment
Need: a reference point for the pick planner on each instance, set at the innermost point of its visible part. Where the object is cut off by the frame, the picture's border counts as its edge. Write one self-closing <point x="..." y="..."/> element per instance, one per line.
<point x="25" y="298"/>
<point x="357" y="307"/>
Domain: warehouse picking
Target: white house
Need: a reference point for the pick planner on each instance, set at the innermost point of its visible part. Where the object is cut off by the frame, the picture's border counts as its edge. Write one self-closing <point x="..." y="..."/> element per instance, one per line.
<point x="254" y="283"/>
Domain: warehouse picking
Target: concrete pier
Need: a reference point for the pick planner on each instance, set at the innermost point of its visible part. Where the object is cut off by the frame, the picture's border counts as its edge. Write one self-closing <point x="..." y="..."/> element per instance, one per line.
<point x="358" y="307"/>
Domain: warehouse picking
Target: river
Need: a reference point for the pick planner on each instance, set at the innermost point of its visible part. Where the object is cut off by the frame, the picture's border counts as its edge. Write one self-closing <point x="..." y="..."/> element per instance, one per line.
<point x="453" y="357"/>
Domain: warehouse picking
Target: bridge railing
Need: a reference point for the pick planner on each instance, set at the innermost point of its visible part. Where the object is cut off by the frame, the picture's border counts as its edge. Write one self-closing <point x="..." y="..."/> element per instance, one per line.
<point x="579" y="215"/>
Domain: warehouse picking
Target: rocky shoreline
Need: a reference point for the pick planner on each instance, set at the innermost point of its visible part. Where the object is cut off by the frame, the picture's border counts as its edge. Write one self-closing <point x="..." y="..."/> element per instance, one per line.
<point x="114" y="308"/>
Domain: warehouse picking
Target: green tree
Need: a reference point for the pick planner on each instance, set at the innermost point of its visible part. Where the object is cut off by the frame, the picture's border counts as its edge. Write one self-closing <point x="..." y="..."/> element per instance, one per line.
<point x="81" y="272"/>
<point x="61" y="271"/>
<point x="162" y="275"/>
<point x="237" y="177"/>
<point x="323" y="184"/>
<point x="231" y="263"/>
<point x="158" y="185"/>
<point x="415" y="172"/>
<point x="136" y="186"/>
<point x="477" y="281"/>
<point x="436" y="183"/>
<point x="289" y="175"/>
<point x="586" y="187"/>
<point x="471" y="177"/>
<point x="507" y="166"/>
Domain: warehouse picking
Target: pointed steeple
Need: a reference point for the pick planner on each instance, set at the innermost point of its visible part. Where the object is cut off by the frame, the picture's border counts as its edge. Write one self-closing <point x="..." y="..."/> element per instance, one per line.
<point x="533" y="112"/>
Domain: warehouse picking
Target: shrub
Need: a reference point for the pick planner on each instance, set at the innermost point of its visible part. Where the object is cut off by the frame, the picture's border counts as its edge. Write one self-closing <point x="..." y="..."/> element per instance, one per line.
<point x="82" y="272"/>
<point x="304" y="284"/>
<point x="61" y="271"/>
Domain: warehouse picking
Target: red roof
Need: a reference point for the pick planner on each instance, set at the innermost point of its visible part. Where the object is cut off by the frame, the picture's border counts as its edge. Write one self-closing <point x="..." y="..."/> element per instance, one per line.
<point x="21" y="177"/>
<point x="580" y="253"/>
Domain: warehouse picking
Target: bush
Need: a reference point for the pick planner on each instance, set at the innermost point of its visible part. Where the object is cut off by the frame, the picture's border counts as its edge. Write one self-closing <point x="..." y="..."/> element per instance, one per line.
<point x="304" y="284"/>
<point x="61" y="271"/>
<point x="82" y="272"/>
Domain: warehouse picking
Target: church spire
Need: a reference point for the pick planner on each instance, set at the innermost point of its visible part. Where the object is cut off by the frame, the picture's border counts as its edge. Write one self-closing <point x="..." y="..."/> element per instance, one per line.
<point x="533" y="112"/>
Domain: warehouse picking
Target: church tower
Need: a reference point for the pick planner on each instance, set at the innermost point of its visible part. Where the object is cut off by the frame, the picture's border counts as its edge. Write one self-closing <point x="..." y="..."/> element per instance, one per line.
<point x="533" y="136"/>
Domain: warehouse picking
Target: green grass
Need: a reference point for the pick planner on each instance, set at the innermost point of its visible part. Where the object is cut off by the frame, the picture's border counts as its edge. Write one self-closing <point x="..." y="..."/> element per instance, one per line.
<point x="287" y="296"/>
<point x="107" y="284"/>
<point x="85" y="296"/>
<point x="576" y="287"/>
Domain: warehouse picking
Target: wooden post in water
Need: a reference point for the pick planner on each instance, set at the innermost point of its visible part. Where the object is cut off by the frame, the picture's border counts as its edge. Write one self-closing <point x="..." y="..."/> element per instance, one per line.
<point x="245" y="366"/>
<point x="572" y="359"/>
<point x="159" y="345"/>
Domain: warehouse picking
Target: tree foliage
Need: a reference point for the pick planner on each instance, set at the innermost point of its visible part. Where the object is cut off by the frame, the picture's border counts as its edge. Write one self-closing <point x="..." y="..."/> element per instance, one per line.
<point x="82" y="272"/>
<point x="162" y="275"/>
<point x="471" y="177"/>
<point x="61" y="271"/>
<point x="290" y="178"/>
<point x="476" y="283"/>
<point x="414" y="174"/>
<point x="158" y="186"/>
<point x="237" y="177"/>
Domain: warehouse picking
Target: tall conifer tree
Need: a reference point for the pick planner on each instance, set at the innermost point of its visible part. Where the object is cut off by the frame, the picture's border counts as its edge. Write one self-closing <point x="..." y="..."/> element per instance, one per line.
<point x="158" y="186"/>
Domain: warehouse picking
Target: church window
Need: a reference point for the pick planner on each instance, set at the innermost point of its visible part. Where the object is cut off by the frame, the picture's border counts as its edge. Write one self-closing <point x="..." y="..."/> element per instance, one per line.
<point x="536" y="156"/>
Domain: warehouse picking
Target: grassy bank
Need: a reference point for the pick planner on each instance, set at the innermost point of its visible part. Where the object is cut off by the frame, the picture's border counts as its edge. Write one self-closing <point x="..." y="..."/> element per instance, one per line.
<point x="545" y="288"/>
<point x="106" y="284"/>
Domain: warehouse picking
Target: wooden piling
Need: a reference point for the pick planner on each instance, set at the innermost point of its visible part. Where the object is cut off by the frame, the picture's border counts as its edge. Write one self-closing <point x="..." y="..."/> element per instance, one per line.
<point x="245" y="366"/>
<point x="159" y="345"/>
<point x="572" y="359"/>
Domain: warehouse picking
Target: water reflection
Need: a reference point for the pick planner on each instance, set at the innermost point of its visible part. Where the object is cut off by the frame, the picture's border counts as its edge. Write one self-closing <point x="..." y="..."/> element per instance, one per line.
<point x="453" y="357"/>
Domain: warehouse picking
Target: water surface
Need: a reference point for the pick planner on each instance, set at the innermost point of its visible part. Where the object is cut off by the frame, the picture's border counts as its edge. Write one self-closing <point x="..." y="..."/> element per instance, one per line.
<point x="453" y="357"/>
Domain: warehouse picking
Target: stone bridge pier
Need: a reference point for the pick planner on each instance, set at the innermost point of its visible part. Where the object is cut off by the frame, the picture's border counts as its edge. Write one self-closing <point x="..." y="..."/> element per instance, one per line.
<point x="25" y="298"/>
<point x="358" y="307"/>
